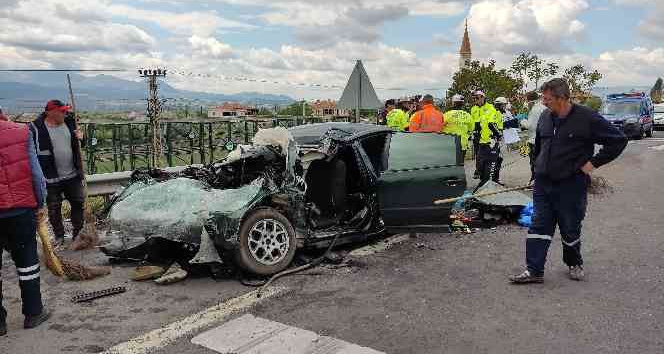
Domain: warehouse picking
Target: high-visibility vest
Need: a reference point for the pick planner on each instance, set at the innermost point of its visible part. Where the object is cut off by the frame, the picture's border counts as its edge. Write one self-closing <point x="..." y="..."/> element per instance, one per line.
<point x="498" y="119"/>
<point x="484" y="115"/>
<point x="459" y="123"/>
<point x="427" y="120"/>
<point x="397" y="119"/>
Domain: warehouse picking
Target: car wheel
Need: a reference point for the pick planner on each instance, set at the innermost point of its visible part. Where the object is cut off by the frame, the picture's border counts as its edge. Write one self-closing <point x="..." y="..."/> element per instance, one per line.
<point x="639" y="135"/>
<point x="267" y="242"/>
<point x="649" y="132"/>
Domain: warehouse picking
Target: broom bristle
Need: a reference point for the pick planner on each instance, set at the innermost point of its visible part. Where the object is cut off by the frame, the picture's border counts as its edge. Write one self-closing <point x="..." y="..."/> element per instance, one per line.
<point x="599" y="186"/>
<point x="76" y="271"/>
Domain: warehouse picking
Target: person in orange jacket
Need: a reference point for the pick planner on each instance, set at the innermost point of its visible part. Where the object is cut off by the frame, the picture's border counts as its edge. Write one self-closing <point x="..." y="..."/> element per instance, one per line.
<point x="428" y="119"/>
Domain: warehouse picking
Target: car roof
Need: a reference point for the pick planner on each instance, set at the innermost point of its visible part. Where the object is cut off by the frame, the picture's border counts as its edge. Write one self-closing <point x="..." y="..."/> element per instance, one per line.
<point x="311" y="134"/>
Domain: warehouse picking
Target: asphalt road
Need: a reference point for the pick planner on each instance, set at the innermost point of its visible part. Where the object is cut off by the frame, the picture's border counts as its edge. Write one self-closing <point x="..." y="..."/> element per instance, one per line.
<point x="428" y="294"/>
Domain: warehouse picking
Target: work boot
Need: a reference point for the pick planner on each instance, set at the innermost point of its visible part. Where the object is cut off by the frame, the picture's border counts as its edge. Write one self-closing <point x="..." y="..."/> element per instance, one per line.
<point x="34" y="321"/>
<point x="576" y="273"/>
<point x="3" y="330"/>
<point x="59" y="243"/>
<point x="526" y="277"/>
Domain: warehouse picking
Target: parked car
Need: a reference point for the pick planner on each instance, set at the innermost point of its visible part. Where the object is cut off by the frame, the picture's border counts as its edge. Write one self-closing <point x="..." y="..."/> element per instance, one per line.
<point x="296" y="188"/>
<point x="659" y="117"/>
<point x="632" y="113"/>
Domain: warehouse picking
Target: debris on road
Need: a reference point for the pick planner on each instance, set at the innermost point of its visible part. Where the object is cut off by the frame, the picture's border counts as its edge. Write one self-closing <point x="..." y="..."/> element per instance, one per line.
<point x="98" y="294"/>
<point x="599" y="186"/>
<point x="174" y="274"/>
<point x="146" y="272"/>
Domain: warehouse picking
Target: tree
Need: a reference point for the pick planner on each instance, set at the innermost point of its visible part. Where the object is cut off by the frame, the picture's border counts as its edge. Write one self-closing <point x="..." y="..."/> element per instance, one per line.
<point x="541" y="69"/>
<point x="528" y="66"/>
<point x="264" y="112"/>
<point x="495" y="82"/>
<point x="295" y="109"/>
<point x="581" y="81"/>
<point x="523" y="64"/>
<point x="657" y="92"/>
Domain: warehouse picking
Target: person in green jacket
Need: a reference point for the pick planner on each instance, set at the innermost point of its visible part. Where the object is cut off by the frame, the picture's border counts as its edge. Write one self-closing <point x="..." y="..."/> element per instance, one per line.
<point x="397" y="119"/>
<point x="459" y="122"/>
<point x="483" y="116"/>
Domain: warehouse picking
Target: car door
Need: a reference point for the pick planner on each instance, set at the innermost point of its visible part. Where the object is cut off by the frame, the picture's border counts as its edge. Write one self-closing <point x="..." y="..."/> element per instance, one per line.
<point x="422" y="168"/>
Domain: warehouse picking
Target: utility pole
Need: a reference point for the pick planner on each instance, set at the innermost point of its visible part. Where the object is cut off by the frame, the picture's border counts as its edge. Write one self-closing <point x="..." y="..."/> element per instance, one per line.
<point x="154" y="110"/>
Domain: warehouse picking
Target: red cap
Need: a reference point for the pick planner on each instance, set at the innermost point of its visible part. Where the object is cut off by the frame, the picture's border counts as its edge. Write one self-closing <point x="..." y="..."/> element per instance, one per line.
<point x="56" y="105"/>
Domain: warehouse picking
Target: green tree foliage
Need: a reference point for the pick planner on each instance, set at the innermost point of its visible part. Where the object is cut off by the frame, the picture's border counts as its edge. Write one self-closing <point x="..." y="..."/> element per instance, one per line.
<point x="485" y="76"/>
<point x="657" y="92"/>
<point x="295" y="109"/>
<point x="528" y="66"/>
<point x="593" y="102"/>
<point x="264" y="112"/>
<point x="580" y="80"/>
<point x="541" y="70"/>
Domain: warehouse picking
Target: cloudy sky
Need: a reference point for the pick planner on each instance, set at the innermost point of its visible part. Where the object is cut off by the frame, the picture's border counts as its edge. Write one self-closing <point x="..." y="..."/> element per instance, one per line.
<point x="406" y="45"/>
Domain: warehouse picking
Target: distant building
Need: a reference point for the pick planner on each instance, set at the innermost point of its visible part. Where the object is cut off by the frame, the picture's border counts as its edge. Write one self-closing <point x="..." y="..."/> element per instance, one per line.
<point x="328" y="108"/>
<point x="230" y="109"/>
<point x="465" y="53"/>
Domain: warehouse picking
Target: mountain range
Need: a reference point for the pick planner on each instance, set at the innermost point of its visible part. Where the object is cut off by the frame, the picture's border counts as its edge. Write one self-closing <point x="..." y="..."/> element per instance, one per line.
<point x="30" y="91"/>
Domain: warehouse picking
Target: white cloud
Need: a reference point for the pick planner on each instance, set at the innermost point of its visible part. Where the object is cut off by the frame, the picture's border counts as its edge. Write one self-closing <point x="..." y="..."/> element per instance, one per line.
<point x="73" y="29"/>
<point x="512" y="26"/>
<point x="197" y="23"/>
<point x="333" y="34"/>
<point x="210" y="47"/>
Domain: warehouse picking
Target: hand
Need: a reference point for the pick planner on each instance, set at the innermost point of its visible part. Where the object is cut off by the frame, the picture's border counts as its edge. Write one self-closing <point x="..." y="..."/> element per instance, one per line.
<point x="42" y="213"/>
<point x="588" y="168"/>
<point x="79" y="134"/>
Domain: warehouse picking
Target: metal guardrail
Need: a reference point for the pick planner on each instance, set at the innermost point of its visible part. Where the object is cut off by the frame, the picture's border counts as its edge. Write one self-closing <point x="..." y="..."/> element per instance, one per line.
<point x="104" y="184"/>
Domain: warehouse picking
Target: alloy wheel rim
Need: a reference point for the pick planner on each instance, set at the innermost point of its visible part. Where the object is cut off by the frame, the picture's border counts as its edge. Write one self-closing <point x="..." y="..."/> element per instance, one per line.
<point x="268" y="242"/>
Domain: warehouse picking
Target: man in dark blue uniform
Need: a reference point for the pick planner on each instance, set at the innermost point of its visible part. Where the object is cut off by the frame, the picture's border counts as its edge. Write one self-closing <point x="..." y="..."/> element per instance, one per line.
<point x="565" y="158"/>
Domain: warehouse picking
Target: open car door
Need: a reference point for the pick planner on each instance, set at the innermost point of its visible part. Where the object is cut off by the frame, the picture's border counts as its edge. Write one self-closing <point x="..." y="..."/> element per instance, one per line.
<point x="422" y="167"/>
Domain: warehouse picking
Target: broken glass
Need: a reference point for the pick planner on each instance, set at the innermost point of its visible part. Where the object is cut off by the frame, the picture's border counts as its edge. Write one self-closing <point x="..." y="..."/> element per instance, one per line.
<point x="175" y="210"/>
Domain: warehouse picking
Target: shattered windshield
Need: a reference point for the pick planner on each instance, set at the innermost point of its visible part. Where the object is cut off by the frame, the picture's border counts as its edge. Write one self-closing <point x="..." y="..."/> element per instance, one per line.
<point x="175" y="210"/>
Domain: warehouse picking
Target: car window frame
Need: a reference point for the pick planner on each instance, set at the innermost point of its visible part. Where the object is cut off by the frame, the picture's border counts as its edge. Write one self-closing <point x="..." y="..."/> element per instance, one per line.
<point x="459" y="154"/>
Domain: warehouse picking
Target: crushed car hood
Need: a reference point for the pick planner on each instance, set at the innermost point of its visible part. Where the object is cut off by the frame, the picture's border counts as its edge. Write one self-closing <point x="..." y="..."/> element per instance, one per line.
<point x="210" y="200"/>
<point x="175" y="210"/>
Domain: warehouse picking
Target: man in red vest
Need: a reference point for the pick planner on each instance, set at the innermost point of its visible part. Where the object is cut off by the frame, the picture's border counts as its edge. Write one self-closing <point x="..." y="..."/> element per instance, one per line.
<point x="428" y="119"/>
<point x="22" y="192"/>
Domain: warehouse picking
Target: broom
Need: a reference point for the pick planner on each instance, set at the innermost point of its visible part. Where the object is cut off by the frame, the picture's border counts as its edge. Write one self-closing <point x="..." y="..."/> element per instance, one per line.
<point x="64" y="267"/>
<point x="598" y="186"/>
<point x="50" y="258"/>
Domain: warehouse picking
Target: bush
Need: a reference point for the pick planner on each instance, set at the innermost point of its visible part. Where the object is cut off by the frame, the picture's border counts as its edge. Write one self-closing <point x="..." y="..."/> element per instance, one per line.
<point x="595" y="103"/>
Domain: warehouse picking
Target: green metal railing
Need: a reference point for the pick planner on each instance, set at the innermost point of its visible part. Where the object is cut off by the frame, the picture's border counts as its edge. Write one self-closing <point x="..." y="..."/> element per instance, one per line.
<point x="115" y="147"/>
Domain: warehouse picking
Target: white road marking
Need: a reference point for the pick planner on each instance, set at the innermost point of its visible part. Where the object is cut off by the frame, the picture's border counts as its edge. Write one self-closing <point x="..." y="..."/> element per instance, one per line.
<point x="657" y="148"/>
<point x="162" y="337"/>
<point x="254" y="335"/>
<point x="379" y="246"/>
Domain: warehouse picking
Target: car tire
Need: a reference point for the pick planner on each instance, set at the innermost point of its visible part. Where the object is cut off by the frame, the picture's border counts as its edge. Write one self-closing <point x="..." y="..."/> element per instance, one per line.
<point x="267" y="242"/>
<point x="639" y="135"/>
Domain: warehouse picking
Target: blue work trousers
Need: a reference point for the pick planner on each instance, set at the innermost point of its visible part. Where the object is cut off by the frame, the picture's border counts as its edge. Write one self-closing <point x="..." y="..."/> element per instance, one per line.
<point x="557" y="203"/>
<point x="17" y="235"/>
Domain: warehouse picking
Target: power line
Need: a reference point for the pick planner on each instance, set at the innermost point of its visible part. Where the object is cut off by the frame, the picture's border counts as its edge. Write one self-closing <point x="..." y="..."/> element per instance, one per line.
<point x="63" y="70"/>
<point x="185" y="73"/>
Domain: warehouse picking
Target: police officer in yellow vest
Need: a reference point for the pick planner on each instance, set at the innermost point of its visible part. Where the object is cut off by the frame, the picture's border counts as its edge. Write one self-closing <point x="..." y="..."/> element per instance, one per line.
<point x="459" y="122"/>
<point x="483" y="116"/>
<point x="396" y="118"/>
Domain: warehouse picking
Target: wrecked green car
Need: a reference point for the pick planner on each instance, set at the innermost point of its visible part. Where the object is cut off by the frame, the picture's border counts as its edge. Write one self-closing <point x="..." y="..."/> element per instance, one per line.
<point x="301" y="187"/>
